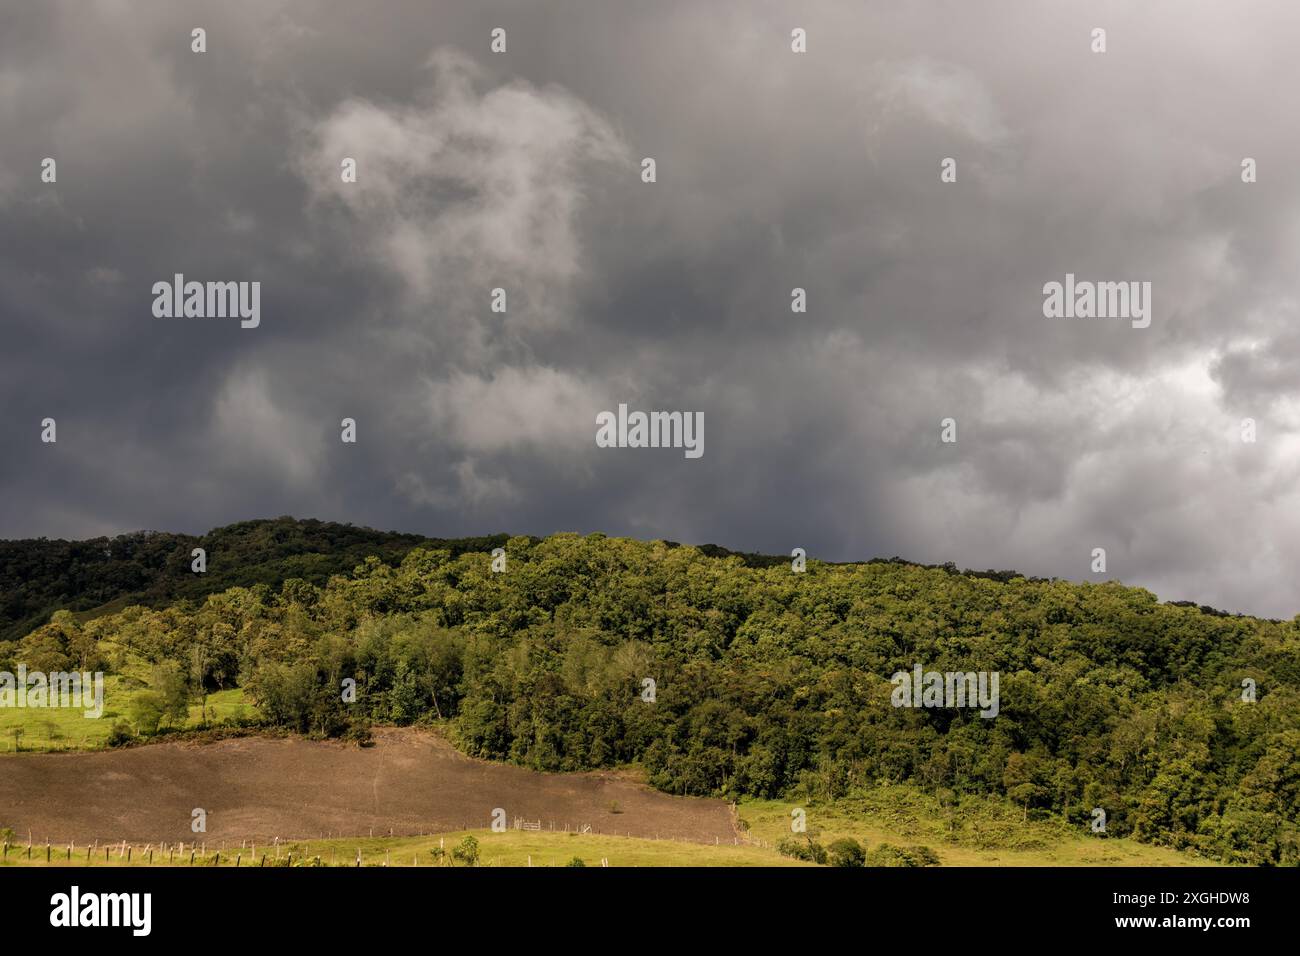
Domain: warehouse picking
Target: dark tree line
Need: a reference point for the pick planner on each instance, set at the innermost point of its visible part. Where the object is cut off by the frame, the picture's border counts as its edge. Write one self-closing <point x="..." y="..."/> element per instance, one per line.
<point x="40" y="576"/>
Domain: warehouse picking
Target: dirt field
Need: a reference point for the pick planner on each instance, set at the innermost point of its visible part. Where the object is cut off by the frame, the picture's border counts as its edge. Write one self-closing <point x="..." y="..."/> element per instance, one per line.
<point x="410" y="782"/>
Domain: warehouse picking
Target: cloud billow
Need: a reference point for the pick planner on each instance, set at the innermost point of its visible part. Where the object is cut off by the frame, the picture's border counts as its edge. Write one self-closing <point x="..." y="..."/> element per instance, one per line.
<point x="776" y="170"/>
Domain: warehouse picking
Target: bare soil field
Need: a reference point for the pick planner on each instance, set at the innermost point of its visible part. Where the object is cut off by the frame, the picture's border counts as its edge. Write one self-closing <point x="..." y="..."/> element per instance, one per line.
<point x="410" y="782"/>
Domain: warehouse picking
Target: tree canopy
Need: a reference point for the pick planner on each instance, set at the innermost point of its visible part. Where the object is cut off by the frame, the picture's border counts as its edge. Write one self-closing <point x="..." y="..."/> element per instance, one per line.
<point x="766" y="681"/>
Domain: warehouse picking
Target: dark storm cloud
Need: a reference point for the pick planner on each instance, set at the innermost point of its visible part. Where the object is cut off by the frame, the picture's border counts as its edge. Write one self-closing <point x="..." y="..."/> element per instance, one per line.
<point x="775" y="170"/>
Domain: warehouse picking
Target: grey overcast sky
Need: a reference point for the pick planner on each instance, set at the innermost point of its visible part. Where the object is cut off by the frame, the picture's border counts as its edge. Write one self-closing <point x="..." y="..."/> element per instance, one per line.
<point x="775" y="170"/>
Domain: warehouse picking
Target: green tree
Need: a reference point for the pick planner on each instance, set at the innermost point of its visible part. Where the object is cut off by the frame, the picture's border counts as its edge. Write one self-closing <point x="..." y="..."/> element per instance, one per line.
<point x="846" y="852"/>
<point x="467" y="852"/>
<point x="167" y="681"/>
<point x="147" y="709"/>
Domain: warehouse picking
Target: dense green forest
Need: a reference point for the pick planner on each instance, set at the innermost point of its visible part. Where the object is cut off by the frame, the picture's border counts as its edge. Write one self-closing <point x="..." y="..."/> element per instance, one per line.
<point x="39" y="576"/>
<point x="767" y="682"/>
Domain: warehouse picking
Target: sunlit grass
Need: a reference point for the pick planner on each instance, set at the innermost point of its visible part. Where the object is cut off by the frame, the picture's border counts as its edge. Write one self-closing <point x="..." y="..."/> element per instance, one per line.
<point x="981" y="832"/>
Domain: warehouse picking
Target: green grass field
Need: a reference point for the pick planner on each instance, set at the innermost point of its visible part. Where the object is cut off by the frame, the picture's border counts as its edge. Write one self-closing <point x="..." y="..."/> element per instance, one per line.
<point x="49" y="728"/>
<point x="981" y="832"/>
<point x="512" y="848"/>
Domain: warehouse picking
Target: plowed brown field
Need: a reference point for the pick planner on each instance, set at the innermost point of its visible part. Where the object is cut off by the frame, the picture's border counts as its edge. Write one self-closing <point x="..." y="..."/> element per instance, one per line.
<point x="258" y="788"/>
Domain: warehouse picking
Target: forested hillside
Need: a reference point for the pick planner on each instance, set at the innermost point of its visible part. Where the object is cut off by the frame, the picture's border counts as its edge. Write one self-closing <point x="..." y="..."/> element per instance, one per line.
<point x="767" y="682"/>
<point x="40" y="576"/>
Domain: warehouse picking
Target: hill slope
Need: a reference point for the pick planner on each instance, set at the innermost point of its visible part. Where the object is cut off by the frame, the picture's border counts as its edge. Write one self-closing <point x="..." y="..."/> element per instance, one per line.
<point x="766" y="682"/>
<point x="39" y="576"/>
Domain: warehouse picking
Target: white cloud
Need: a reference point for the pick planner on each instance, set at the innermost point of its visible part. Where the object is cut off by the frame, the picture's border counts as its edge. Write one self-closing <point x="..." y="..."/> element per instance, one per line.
<point x="546" y="410"/>
<point x="466" y="189"/>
